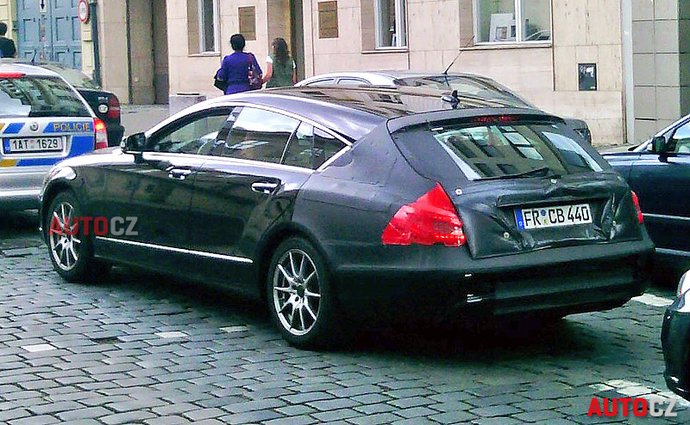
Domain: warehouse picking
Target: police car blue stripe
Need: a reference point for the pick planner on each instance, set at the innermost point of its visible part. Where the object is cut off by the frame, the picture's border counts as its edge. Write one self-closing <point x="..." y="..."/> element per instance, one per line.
<point x="14" y="128"/>
<point x="81" y="145"/>
<point x="35" y="162"/>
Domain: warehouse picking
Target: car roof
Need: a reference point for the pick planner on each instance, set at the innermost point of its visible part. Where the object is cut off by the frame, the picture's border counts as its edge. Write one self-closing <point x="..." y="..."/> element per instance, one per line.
<point x="386" y="77"/>
<point x="30" y="70"/>
<point x="354" y="111"/>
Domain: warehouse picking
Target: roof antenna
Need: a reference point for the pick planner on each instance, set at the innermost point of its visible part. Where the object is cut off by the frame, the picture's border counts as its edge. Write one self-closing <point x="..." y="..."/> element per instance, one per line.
<point x="462" y="49"/>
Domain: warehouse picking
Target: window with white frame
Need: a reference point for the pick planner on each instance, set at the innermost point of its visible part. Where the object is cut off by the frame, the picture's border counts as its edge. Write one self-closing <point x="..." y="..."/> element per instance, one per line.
<point x="390" y="23"/>
<point x="208" y="26"/>
<point x="512" y="21"/>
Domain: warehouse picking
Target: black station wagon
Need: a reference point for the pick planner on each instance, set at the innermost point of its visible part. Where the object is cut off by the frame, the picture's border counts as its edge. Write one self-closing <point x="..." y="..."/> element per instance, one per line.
<point x="340" y="205"/>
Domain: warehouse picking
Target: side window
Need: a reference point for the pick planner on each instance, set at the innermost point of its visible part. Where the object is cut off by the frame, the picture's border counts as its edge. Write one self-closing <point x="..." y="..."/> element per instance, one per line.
<point x="352" y="82"/>
<point x="310" y="147"/>
<point x="680" y="142"/>
<point x="322" y="82"/>
<point x="194" y="134"/>
<point x="258" y="135"/>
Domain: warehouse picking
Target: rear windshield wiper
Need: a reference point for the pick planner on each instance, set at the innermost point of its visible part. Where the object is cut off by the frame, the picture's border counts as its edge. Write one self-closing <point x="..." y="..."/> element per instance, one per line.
<point x="537" y="172"/>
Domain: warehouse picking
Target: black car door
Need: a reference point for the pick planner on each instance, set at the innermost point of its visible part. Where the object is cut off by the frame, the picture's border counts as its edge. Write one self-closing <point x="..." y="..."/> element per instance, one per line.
<point x="661" y="182"/>
<point x="152" y="192"/>
<point x="249" y="185"/>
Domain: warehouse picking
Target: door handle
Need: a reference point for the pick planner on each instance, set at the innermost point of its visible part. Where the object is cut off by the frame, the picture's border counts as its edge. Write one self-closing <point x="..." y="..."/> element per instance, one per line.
<point x="179" y="173"/>
<point x="264" y="187"/>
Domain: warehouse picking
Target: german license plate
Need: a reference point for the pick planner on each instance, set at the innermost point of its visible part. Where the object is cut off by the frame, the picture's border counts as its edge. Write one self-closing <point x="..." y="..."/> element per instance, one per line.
<point x="562" y="215"/>
<point x="32" y="144"/>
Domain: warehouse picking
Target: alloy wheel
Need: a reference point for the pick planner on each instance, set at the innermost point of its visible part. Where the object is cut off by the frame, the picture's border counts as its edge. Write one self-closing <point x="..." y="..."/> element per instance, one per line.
<point x="63" y="236"/>
<point x="296" y="292"/>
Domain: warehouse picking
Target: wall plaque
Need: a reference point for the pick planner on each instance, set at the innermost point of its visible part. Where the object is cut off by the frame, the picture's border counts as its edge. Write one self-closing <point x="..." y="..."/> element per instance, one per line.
<point x="328" y="19"/>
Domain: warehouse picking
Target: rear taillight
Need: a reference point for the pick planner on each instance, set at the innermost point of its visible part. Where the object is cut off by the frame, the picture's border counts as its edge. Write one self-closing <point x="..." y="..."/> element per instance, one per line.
<point x="636" y="201"/>
<point x="101" y="134"/>
<point x="113" y="108"/>
<point x="429" y="220"/>
<point x="12" y="75"/>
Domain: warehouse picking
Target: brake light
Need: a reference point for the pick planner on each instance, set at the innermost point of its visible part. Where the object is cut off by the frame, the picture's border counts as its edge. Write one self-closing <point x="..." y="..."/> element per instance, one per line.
<point x="101" y="134"/>
<point x="12" y="74"/>
<point x="429" y="220"/>
<point x="113" y="108"/>
<point x="495" y="119"/>
<point x="636" y="201"/>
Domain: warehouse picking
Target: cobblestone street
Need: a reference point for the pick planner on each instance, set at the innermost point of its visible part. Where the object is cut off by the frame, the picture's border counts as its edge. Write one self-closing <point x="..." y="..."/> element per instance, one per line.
<point x="140" y="348"/>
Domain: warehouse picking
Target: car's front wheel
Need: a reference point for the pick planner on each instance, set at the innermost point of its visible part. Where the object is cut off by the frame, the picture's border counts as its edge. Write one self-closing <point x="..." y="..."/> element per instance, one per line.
<point x="299" y="295"/>
<point x="71" y="248"/>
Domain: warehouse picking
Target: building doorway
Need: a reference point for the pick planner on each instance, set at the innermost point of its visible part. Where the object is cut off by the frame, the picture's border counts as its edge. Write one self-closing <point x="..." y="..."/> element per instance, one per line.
<point x="297" y="36"/>
<point x="49" y="31"/>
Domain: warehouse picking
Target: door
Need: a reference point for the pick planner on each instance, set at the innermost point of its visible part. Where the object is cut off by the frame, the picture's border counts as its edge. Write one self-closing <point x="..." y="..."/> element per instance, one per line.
<point x="243" y="190"/>
<point x="661" y="182"/>
<point x="156" y="190"/>
<point x="297" y="36"/>
<point x="49" y="30"/>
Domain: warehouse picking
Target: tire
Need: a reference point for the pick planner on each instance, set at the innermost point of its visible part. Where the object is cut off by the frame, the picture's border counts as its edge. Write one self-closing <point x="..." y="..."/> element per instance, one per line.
<point x="299" y="295"/>
<point x="70" y="249"/>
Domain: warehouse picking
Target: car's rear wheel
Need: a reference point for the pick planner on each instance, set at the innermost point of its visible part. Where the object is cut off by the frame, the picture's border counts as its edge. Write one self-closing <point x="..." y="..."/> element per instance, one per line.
<point x="299" y="295"/>
<point x="70" y="245"/>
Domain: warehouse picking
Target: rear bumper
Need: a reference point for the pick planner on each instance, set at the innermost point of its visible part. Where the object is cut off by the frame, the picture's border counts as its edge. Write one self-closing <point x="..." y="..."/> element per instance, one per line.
<point x="675" y="340"/>
<point x="20" y="187"/>
<point x="115" y="132"/>
<point x="559" y="288"/>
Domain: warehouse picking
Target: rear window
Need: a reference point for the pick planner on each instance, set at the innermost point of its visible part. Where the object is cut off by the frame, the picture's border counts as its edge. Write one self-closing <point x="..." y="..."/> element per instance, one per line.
<point x="39" y="97"/>
<point x="507" y="150"/>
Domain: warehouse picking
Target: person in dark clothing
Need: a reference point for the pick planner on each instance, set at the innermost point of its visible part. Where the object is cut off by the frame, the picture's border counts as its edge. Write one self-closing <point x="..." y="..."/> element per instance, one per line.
<point x="235" y="67"/>
<point x="7" y="47"/>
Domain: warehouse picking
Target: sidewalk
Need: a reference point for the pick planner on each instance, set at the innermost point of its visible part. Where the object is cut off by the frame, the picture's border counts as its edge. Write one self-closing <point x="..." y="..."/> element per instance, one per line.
<point x="138" y="118"/>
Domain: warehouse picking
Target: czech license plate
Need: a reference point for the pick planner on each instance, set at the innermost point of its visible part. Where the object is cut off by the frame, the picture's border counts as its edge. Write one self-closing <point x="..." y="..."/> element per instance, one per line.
<point x="562" y="215"/>
<point x="32" y="144"/>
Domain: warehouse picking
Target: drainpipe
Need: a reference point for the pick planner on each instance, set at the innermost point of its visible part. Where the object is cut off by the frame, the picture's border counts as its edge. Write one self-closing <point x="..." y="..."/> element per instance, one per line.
<point x="93" y="6"/>
<point x="128" y="29"/>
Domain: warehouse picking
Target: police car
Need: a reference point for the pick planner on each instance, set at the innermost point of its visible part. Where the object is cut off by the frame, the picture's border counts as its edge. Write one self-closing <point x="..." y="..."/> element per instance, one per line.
<point x="43" y="120"/>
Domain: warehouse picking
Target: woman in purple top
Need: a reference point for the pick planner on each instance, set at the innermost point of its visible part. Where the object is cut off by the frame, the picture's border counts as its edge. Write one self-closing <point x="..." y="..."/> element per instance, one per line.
<point x="235" y="67"/>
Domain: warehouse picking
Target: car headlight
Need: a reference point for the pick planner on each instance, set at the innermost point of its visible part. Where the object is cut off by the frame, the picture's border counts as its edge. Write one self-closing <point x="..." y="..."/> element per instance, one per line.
<point x="684" y="284"/>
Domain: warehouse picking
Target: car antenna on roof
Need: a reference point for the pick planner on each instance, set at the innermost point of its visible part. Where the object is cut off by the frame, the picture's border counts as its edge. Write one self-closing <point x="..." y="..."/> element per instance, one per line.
<point x="462" y="49"/>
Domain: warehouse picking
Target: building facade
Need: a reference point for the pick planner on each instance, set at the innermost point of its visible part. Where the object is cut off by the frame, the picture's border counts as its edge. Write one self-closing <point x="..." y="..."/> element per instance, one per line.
<point x="621" y="65"/>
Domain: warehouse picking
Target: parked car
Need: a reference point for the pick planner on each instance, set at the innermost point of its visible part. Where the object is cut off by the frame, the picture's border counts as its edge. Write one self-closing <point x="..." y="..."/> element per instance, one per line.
<point x="104" y="103"/>
<point x="658" y="170"/>
<point x="344" y="204"/>
<point x="675" y="340"/>
<point x="42" y="121"/>
<point x="466" y="84"/>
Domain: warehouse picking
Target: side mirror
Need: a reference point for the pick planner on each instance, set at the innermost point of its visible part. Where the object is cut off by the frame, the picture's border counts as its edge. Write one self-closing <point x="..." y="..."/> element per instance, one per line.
<point x="659" y="144"/>
<point x="134" y="143"/>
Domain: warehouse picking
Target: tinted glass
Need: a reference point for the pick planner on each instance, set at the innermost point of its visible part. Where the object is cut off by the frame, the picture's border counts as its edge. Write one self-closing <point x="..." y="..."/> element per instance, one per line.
<point x="191" y="135"/>
<point x="73" y="76"/>
<point x="490" y="151"/>
<point x="309" y="147"/>
<point x="259" y="135"/>
<point x="39" y="97"/>
<point x="680" y="142"/>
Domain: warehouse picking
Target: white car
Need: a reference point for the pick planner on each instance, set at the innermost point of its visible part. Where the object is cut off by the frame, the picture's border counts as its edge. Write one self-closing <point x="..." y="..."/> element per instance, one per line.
<point x="43" y="120"/>
<point x="466" y="85"/>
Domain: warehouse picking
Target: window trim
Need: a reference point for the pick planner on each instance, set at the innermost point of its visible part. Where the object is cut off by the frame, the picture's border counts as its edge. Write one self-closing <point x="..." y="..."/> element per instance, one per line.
<point x="202" y="23"/>
<point x="519" y="23"/>
<point x="400" y="22"/>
